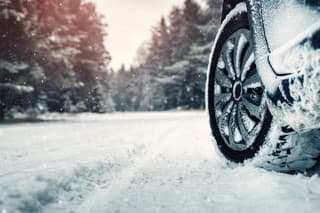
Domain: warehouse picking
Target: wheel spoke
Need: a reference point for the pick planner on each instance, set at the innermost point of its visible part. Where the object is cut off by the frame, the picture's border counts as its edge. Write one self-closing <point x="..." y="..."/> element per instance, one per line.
<point x="223" y="119"/>
<point x="242" y="128"/>
<point x="247" y="62"/>
<point x="252" y="81"/>
<point x="253" y="109"/>
<point x="228" y="59"/>
<point x="222" y="79"/>
<point x="221" y="64"/>
<point x="241" y="42"/>
<point x="232" y="124"/>
<point x="255" y="130"/>
<point x="250" y="123"/>
<point x="221" y="99"/>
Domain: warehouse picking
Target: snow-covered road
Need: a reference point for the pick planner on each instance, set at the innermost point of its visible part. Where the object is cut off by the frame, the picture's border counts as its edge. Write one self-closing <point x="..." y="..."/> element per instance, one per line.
<point x="136" y="162"/>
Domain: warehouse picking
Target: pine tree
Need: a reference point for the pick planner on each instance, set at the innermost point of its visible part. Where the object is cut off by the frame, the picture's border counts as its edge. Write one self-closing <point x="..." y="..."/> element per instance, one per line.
<point x="17" y="83"/>
<point x="177" y="33"/>
<point x="191" y="14"/>
<point x="52" y="55"/>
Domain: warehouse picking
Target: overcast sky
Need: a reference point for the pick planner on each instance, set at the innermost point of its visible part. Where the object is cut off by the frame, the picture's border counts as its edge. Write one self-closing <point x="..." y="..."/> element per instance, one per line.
<point x="130" y="23"/>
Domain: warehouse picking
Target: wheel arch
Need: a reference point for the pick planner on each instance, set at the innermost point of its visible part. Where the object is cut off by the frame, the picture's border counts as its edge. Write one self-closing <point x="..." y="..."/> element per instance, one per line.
<point x="227" y="6"/>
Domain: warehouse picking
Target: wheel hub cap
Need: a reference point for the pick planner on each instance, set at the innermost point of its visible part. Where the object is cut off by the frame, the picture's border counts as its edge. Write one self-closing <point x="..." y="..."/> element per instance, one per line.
<point x="237" y="91"/>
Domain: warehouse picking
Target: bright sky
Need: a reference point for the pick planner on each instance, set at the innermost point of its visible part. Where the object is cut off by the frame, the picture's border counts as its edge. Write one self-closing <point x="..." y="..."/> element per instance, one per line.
<point x="130" y="23"/>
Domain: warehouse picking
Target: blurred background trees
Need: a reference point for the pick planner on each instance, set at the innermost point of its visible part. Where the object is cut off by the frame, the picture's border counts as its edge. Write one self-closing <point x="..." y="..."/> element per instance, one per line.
<point x="171" y="70"/>
<point x="53" y="58"/>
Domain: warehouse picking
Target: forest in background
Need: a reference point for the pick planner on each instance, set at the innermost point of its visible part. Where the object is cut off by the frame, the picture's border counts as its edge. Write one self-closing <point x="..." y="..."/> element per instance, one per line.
<point x="53" y="58"/>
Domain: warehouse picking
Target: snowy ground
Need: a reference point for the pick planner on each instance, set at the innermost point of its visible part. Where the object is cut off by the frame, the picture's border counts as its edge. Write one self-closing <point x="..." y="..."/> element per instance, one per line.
<point x="137" y="162"/>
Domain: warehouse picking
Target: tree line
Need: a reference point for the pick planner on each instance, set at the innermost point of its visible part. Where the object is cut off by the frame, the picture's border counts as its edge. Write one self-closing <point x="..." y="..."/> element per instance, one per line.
<point x="171" y="70"/>
<point x="53" y="58"/>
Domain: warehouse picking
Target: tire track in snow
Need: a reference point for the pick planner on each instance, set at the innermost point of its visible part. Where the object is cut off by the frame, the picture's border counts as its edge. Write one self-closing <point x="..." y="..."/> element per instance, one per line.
<point x="103" y="195"/>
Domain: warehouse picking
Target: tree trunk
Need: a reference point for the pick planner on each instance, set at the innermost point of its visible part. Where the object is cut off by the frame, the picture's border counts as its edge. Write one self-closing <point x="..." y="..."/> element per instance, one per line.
<point x="1" y="111"/>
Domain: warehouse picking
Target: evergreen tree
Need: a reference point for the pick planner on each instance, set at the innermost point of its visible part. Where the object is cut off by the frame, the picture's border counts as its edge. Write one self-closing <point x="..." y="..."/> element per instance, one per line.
<point x="177" y="33"/>
<point x="52" y="56"/>
<point x="17" y="82"/>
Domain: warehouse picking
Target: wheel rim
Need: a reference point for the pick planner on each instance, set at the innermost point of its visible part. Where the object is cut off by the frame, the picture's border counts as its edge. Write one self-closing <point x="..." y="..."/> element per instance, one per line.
<point x="239" y="100"/>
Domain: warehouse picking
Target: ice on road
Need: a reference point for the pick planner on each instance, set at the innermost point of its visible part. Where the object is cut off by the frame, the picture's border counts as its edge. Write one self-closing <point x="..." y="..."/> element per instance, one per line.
<point x="135" y="163"/>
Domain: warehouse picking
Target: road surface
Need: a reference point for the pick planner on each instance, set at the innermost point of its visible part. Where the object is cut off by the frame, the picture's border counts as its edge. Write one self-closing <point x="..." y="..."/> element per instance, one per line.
<point x="135" y="163"/>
